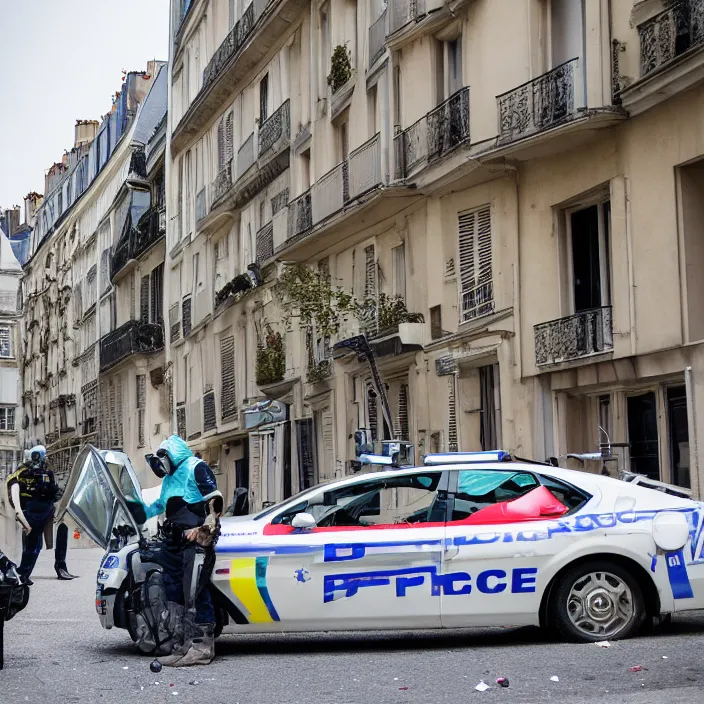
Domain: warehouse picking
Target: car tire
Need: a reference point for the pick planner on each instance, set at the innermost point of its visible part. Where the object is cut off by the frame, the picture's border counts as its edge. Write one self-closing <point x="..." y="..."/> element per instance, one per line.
<point x="597" y="600"/>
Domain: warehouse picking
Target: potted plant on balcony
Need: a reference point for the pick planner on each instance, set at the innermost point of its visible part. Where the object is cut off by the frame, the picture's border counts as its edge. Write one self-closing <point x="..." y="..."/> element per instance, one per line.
<point x="271" y="358"/>
<point x="340" y="67"/>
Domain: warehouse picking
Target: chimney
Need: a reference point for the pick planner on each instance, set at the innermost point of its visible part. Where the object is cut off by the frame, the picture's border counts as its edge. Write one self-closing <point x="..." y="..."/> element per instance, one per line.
<point x="32" y="201"/>
<point x="85" y="131"/>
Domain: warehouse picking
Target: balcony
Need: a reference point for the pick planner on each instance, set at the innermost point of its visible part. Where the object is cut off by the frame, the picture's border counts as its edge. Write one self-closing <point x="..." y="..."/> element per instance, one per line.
<point x="438" y="132"/>
<point x="541" y="104"/>
<point x="403" y="12"/>
<point x="585" y="334"/>
<point x="300" y="216"/>
<point x="134" y="337"/>
<point x="478" y="301"/>
<point x="670" y="34"/>
<point x="263" y="24"/>
<point x="238" y="182"/>
<point x="364" y="168"/>
<point x="149" y="230"/>
<point x="329" y="193"/>
<point x="275" y="129"/>
<point x="377" y="39"/>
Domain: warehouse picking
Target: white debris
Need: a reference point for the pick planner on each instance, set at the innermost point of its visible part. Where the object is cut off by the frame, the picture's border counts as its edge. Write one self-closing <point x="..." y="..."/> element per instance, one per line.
<point x="125" y="668"/>
<point x="554" y="678"/>
<point x="482" y="686"/>
<point x="603" y="644"/>
<point x="664" y="657"/>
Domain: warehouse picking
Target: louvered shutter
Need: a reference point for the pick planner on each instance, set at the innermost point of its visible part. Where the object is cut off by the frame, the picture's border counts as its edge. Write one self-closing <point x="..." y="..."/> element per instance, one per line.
<point x="475" y="262"/>
<point x="144" y="299"/>
<point x="403" y="422"/>
<point x="306" y="455"/>
<point x="369" y="272"/>
<point x="118" y="412"/>
<point x="133" y="295"/>
<point x="452" y="419"/>
<point x="228" y="396"/>
<point x="141" y="408"/>
<point x="372" y="413"/>
<point x="255" y="479"/>
<point x="221" y="145"/>
<point x="328" y="464"/>
<point x="229" y="138"/>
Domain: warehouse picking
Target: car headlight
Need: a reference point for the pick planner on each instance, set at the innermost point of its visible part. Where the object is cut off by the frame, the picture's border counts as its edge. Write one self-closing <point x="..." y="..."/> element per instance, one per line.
<point x="670" y="530"/>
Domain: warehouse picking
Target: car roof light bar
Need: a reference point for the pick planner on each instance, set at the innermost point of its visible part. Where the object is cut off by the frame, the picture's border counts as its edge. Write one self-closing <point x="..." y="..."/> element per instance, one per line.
<point x="466" y="457"/>
<point x="375" y="459"/>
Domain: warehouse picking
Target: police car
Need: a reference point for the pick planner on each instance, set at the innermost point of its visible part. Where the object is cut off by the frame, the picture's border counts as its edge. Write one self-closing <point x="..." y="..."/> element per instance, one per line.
<point x="467" y="539"/>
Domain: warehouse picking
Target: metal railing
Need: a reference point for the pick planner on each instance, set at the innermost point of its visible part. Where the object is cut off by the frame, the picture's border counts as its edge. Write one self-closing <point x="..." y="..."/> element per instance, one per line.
<point x="223" y="182"/>
<point x="403" y="12"/>
<point x="670" y="33"/>
<point x="148" y="231"/>
<point x="275" y="128"/>
<point x="542" y="103"/>
<point x="365" y="167"/>
<point x="300" y="215"/>
<point x="377" y="38"/>
<point x="329" y="192"/>
<point x="134" y="337"/>
<point x="245" y="156"/>
<point x="477" y="301"/>
<point x="232" y="43"/>
<point x="186" y="317"/>
<point x="584" y="334"/>
<point x="436" y="133"/>
<point x="265" y="242"/>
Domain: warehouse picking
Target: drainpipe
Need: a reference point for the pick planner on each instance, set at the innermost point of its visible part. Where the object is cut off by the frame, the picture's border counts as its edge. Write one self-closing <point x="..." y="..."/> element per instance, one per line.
<point x="631" y="273"/>
<point x="692" y="431"/>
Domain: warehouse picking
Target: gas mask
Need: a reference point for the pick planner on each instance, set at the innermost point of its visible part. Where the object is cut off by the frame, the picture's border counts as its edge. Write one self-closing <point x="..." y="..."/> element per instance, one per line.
<point x="160" y="463"/>
<point x="37" y="457"/>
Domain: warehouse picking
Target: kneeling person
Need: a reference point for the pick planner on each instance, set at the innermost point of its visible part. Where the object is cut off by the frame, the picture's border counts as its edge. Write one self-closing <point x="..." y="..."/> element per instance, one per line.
<point x="193" y="505"/>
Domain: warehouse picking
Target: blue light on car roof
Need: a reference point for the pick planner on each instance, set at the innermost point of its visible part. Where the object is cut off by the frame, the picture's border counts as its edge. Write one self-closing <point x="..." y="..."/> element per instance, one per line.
<point x="466" y="457"/>
<point x="375" y="459"/>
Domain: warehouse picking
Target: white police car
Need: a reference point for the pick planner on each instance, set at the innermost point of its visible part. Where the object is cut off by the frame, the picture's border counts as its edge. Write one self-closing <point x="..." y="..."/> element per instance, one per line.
<point x="474" y="539"/>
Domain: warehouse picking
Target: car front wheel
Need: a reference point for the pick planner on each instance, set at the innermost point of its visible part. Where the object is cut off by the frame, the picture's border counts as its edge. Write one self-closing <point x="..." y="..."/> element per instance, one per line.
<point x="597" y="601"/>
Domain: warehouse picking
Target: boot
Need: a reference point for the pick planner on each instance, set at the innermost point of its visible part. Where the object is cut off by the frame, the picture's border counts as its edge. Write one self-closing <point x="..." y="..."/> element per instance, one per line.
<point x="170" y="630"/>
<point x="62" y="572"/>
<point x="186" y="631"/>
<point x="202" y="650"/>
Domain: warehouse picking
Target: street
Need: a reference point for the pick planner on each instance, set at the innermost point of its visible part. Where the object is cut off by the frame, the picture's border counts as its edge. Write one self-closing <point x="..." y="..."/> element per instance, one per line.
<point x="56" y="651"/>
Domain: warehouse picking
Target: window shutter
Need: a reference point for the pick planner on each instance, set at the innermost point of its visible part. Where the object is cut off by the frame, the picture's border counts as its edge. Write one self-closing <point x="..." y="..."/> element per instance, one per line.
<point x="181" y="421"/>
<point x="399" y="270"/>
<point x="467" y="237"/>
<point x="484" y="244"/>
<point x="255" y="457"/>
<point x="221" y="145"/>
<point x="77" y="302"/>
<point x="403" y="423"/>
<point x="474" y="232"/>
<point x="228" y="394"/>
<point x="229" y="138"/>
<point x="306" y="455"/>
<point x="144" y="300"/>
<point x="369" y="272"/>
<point x="141" y="408"/>
<point x="157" y="294"/>
<point x="452" y="420"/>
<point x="328" y="466"/>
<point x="372" y="413"/>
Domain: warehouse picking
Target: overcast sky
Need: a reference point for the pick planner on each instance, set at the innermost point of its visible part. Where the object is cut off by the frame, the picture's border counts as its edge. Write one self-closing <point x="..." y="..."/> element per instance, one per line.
<point x="61" y="60"/>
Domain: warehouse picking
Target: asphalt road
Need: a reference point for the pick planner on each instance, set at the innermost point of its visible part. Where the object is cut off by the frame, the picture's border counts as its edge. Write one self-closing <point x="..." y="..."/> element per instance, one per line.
<point x="56" y="652"/>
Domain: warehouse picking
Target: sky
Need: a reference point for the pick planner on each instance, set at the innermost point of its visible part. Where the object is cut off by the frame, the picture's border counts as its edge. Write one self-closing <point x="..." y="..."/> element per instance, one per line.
<point x="62" y="60"/>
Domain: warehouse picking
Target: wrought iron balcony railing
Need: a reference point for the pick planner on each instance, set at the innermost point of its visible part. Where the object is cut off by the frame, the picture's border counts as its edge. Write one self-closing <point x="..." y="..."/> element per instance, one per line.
<point x="329" y="192"/>
<point x="436" y="133"/>
<point x="670" y="33"/>
<point x="150" y="229"/>
<point x="276" y="128"/>
<point x="134" y="337"/>
<point x="377" y="38"/>
<point x="364" y="170"/>
<point x="542" y="103"/>
<point x="265" y="243"/>
<point x="478" y="301"/>
<point x="582" y="335"/>
<point x="232" y="43"/>
<point x="300" y="215"/>
<point x="223" y="182"/>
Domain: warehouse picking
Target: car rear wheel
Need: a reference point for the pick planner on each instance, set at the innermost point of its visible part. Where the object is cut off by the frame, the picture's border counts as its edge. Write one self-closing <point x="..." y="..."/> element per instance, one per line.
<point x="596" y="601"/>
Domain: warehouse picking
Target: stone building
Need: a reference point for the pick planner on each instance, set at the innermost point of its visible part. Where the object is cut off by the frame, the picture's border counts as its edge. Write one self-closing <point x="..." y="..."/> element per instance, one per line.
<point x="10" y="274"/>
<point x="91" y="327"/>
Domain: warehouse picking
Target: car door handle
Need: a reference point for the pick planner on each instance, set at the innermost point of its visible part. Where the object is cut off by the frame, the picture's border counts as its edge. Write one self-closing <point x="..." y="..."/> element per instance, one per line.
<point x="452" y="552"/>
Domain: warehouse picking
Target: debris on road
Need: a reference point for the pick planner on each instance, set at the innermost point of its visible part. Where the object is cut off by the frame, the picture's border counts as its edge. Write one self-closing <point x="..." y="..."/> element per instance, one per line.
<point x="636" y="668"/>
<point x="603" y="644"/>
<point x="403" y="688"/>
<point x="502" y="681"/>
<point x="482" y="686"/>
<point x="554" y="678"/>
<point x="155" y="666"/>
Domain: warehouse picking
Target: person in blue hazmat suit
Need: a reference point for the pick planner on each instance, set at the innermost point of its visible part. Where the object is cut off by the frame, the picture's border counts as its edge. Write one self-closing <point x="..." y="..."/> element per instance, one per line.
<point x="192" y="506"/>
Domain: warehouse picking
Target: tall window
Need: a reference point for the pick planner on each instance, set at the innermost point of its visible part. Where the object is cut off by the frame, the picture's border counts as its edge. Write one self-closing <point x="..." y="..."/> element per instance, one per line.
<point x="588" y="242"/>
<point x="643" y="434"/>
<point x="6" y="347"/>
<point x="263" y="99"/>
<point x="476" y="282"/>
<point x="7" y="418"/>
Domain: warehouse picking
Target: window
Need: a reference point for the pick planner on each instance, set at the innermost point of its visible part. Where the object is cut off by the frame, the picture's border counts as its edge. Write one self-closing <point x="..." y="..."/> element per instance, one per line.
<point x="263" y="99"/>
<point x="490" y="430"/>
<point x="6" y="346"/>
<point x="144" y="300"/>
<point x="398" y="255"/>
<point x="305" y="171"/>
<point x="8" y="462"/>
<point x="643" y="434"/>
<point x="325" y="50"/>
<point x="605" y="418"/>
<point x="221" y="260"/>
<point x="477" y="488"/>
<point x="679" y="435"/>
<point x="157" y="294"/>
<point x="7" y="418"/>
<point x="344" y="143"/>
<point x="141" y="408"/>
<point x="228" y="396"/>
<point x="371" y="111"/>
<point x="196" y="272"/>
<point x="454" y="66"/>
<point x="225" y="140"/>
<point x="402" y="500"/>
<point x="476" y="282"/>
<point x="105" y="258"/>
<point x="588" y="243"/>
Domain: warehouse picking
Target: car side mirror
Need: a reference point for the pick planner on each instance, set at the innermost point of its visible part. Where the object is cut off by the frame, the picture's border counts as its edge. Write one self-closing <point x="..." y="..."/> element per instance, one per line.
<point x="303" y="521"/>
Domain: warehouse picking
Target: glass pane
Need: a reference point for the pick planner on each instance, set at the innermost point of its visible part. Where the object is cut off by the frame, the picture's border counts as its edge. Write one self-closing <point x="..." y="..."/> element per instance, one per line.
<point x="478" y="489"/>
<point x="93" y="500"/>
